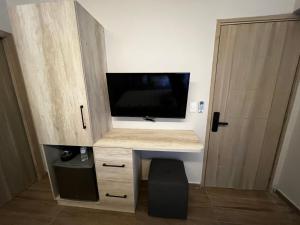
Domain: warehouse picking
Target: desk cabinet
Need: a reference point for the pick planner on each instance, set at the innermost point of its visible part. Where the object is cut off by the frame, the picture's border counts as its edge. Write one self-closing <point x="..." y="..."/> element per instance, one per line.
<point x="61" y="49"/>
<point x="117" y="177"/>
<point x="117" y="159"/>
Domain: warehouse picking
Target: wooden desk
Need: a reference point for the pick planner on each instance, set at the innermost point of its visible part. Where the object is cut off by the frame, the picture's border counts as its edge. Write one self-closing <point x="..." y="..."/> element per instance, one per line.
<point x="117" y="161"/>
<point x="151" y="140"/>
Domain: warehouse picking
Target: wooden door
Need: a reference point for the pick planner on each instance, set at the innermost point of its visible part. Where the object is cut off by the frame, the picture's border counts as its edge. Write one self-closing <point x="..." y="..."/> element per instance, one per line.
<point x="48" y="46"/>
<point x="16" y="166"/>
<point x="256" y="65"/>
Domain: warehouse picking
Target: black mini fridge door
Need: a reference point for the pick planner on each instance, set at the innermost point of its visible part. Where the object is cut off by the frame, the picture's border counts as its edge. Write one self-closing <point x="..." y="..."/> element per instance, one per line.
<point x="76" y="180"/>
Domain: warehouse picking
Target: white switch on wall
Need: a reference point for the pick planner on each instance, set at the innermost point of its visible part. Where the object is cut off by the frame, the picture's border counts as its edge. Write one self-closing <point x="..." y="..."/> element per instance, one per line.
<point x="193" y="107"/>
<point x="201" y="107"/>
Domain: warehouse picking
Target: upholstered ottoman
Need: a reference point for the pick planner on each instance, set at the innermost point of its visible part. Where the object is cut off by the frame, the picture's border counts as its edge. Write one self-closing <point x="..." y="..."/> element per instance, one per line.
<point x="167" y="189"/>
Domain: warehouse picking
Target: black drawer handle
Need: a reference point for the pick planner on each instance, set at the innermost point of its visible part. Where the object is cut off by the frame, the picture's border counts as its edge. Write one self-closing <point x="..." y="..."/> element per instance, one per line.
<point x="115" y="196"/>
<point x="109" y="165"/>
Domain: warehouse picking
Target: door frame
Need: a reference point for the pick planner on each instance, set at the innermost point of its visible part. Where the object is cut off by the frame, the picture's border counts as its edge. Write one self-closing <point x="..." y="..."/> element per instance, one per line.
<point x="236" y="21"/>
<point x="19" y="89"/>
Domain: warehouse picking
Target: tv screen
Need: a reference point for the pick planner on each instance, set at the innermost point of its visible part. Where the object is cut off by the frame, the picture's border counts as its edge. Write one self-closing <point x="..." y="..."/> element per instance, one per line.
<point x="162" y="95"/>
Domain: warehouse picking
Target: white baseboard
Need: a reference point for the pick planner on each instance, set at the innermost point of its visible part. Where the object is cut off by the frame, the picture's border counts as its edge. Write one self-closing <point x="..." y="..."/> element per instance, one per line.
<point x="287" y="198"/>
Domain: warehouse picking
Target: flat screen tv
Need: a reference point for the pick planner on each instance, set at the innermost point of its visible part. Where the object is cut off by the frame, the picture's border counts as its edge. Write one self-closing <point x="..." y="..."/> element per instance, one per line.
<point x="158" y="95"/>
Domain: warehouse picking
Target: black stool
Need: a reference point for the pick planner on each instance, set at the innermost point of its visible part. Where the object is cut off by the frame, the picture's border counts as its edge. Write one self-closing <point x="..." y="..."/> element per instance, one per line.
<point x="167" y="189"/>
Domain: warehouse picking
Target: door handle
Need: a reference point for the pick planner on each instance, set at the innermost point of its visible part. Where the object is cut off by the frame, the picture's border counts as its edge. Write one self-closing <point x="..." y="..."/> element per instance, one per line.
<point x="82" y="119"/>
<point x="216" y="123"/>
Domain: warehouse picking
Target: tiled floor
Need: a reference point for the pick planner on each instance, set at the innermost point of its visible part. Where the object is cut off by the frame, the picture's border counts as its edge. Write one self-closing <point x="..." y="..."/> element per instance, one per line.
<point x="206" y="207"/>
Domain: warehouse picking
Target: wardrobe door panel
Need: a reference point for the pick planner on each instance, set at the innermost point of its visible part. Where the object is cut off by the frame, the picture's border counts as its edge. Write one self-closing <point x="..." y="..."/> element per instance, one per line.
<point x="93" y="53"/>
<point x="48" y="46"/>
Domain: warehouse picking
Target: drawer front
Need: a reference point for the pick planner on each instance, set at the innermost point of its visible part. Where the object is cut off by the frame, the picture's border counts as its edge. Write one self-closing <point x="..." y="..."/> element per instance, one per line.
<point x="113" y="164"/>
<point x="118" y="154"/>
<point x="114" y="170"/>
<point x="117" y="195"/>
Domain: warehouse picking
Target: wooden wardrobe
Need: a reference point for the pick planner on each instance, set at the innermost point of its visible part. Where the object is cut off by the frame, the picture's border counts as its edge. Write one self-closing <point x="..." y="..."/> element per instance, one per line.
<point x="256" y="60"/>
<point x="62" y="54"/>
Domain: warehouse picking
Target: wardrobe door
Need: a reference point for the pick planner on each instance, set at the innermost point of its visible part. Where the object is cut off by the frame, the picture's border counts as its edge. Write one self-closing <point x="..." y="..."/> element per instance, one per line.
<point x="255" y="73"/>
<point x="92" y="39"/>
<point x="48" y="46"/>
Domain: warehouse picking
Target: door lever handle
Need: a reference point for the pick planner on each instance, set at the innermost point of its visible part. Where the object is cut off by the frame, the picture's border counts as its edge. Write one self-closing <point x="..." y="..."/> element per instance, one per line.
<point x="216" y="124"/>
<point x="223" y="124"/>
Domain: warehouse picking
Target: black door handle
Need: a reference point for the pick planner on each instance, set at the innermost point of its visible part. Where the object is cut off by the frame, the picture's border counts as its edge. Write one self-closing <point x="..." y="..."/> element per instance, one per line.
<point x="82" y="119"/>
<point x="216" y="124"/>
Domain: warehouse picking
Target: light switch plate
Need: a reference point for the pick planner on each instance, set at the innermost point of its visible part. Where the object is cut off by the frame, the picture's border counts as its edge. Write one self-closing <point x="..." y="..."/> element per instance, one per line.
<point x="201" y="107"/>
<point x="193" y="107"/>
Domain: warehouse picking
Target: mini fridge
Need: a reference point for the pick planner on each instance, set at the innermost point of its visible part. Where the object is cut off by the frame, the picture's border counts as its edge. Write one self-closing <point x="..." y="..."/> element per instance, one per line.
<point x="76" y="180"/>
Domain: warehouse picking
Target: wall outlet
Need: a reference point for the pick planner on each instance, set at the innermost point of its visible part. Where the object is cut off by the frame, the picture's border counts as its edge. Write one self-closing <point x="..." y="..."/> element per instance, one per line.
<point x="193" y="107"/>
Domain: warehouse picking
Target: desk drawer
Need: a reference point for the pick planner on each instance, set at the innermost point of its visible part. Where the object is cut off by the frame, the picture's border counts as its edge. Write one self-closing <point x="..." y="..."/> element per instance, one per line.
<point x="117" y="154"/>
<point x="113" y="164"/>
<point x="117" y="195"/>
<point x="114" y="170"/>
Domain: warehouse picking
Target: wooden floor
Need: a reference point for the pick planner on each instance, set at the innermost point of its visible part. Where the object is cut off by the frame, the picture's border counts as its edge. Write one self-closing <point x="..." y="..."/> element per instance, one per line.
<point x="206" y="207"/>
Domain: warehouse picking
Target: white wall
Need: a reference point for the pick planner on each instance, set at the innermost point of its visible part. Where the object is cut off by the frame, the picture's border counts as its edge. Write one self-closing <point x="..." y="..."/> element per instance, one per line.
<point x="171" y="36"/>
<point x="286" y="178"/>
